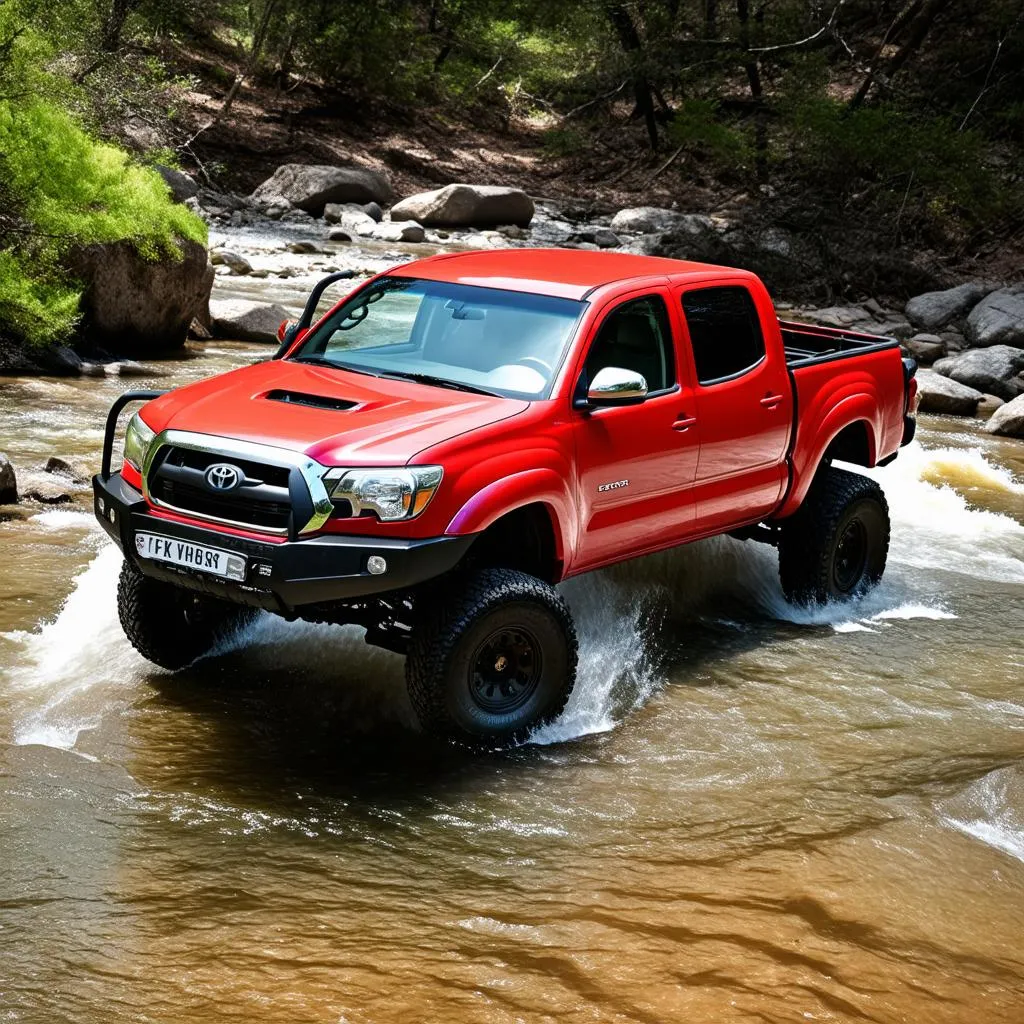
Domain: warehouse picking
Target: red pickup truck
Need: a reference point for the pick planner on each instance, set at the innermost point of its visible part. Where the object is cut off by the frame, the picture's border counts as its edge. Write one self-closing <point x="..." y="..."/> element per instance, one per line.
<point x="461" y="433"/>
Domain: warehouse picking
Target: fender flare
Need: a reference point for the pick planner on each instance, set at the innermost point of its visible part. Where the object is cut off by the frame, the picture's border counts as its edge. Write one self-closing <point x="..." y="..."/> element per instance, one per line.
<point x="859" y="408"/>
<point x="530" y="487"/>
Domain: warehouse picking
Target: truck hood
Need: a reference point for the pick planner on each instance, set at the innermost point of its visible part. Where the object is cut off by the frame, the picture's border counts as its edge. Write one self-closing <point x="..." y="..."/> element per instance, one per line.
<point x="337" y="417"/>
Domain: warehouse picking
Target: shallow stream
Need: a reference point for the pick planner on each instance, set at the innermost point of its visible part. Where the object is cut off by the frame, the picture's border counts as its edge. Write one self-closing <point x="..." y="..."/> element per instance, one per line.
<point x="746" y="813"/>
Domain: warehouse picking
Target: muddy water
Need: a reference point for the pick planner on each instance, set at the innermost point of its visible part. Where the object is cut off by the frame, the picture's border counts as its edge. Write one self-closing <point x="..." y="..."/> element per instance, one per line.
<point x="745" y="814"/>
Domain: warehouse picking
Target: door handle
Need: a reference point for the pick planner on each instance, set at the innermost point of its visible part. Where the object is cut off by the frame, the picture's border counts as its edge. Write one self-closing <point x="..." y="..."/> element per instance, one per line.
<point x="684" y="422"/>
<point x="771" y="401"/>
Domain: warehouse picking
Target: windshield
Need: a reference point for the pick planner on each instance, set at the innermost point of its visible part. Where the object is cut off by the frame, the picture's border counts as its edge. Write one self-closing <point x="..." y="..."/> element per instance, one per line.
<point x="452" y="335"/>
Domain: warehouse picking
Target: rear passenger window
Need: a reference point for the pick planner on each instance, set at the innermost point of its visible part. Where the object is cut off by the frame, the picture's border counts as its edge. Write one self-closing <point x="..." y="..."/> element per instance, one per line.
<point x="636" y="336"/>
<point x="724" y="330"/>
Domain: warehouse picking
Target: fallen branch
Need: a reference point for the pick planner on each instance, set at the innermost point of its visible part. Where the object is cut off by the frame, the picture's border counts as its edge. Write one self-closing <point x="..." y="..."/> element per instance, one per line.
<point x="667" y="163"/>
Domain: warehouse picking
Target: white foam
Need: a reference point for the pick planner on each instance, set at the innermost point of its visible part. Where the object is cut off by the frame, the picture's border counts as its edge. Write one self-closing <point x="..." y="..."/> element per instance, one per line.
<point x="989" y="810"/>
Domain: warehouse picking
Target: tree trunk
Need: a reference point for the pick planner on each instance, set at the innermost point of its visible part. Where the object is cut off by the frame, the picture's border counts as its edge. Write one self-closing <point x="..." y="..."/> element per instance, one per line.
<point x="920" y="15"/>
<point x="113" y="24"/>
<point x="629" y="39"/>
<point x="752" y="70"/>
<point x="259" y="38"/>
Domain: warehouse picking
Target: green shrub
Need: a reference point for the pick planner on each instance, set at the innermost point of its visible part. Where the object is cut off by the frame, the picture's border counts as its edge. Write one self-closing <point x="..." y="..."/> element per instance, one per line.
<point x="34" y="310"/>
<point x="699" y="129"/>
<point x="73" y="189"/>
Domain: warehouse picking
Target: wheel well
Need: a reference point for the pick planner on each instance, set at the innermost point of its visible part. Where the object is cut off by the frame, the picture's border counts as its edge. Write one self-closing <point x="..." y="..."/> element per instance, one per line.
<point x="851" y="444"/>
<point x="523" y="539"/>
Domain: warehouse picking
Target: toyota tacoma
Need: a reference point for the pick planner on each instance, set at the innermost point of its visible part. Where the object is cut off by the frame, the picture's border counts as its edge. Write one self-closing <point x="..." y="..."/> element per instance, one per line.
<point x="434" y="454"/>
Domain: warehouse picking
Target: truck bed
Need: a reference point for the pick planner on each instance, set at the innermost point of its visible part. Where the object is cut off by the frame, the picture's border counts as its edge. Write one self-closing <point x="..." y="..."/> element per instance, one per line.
<point x="806" y="344"/>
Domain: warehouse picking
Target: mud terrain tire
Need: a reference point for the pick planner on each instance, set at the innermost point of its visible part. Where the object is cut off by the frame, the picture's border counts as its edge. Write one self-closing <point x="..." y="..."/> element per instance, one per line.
<point x="171" y="626"/>
<point x="836" y="545"/>
<point x="493" y="655"/>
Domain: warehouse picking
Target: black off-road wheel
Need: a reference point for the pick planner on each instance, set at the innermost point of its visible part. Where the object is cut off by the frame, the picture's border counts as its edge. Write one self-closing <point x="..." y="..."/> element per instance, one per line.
<point x="171" y="626"/>
<point x="492" y="657"/>
<point x="836" y="545"/>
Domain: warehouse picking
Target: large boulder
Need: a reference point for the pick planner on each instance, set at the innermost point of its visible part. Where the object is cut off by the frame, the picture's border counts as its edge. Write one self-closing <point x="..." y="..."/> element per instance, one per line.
<point x="242" y="320"/>
<point x="933" y="310"/>
<point x="8" y="482"/>
<point x="998" y="319"/>
<point x="182" y="185"/>
<point x="940" y="394"/>
<point x="132" y="305"/>
<point x="998" y="370"/>
<point x="310" y="187"/>
<point x="1008" y="419"/>
<point x="476" y="206"/>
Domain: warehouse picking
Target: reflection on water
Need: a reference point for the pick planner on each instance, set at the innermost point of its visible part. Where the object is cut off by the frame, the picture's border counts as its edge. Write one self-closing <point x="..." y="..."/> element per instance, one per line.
<point x="747" y="812"/>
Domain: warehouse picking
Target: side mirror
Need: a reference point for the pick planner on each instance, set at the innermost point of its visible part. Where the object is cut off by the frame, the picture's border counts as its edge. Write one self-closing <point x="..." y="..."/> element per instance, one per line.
<point x="286" y="326"/>
<point x="615" y="386"/>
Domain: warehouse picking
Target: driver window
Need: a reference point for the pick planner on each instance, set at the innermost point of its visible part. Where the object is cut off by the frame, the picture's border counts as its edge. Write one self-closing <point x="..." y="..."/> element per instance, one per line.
<point x="636" y="336"/>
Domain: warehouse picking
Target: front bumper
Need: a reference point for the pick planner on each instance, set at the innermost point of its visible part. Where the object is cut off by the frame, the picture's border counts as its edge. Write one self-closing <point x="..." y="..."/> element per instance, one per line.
<point x="281" y="577"/>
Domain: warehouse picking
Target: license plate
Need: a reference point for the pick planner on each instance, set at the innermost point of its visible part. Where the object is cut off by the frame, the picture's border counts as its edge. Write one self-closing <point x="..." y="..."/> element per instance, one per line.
<point x="215" y="561"/>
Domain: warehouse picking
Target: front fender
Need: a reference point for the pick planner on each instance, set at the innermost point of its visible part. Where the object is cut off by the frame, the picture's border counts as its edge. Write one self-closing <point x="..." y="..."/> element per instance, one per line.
<point x="530" y="487"/>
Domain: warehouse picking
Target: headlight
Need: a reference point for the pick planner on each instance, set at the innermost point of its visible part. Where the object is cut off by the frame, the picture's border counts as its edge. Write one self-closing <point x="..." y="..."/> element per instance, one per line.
<point x="137" y="439"/>
<point x="392" y="494"/>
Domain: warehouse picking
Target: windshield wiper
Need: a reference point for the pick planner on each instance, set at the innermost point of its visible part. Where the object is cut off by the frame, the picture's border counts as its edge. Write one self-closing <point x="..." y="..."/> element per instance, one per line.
<point x="441" y="382"/>
<point x="324" y="361"/>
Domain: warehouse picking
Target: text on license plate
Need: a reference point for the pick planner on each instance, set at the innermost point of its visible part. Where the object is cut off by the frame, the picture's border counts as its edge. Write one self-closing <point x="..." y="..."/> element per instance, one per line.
<point x="191" y="556"/>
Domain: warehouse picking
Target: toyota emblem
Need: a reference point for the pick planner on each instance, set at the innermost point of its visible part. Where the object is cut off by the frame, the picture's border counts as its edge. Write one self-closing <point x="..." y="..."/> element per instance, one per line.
<point x="222" y="476"/>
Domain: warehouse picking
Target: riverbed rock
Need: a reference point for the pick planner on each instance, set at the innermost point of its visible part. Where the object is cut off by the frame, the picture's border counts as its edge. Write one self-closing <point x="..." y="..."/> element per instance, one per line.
<point x="602" y="237"/>
<point x="998" y="370"/>
<point x="1008" y="419"/>
<point x="8" y="482"/>
<point x="350" y="216"/>
<point x="243" y="320"/>
<point x="940" y="394"/>
<point x="987" y="406"/>
<point x="403" y="231"/>
<point x="926" y="348"/>
<point x="339" y="235"/>
<point x="234" y="261"/>
<point x="933" y="310"/>
<point x="135" y="306"/>
<point x="302" y="248"/>
<point x="183" y="186"/>
<point x="310" y="187"/>
<point x="460" y="205"/>
<point x="998" y="319"/>
<point x="61" y="467"/>
<point x="649" y="220"/>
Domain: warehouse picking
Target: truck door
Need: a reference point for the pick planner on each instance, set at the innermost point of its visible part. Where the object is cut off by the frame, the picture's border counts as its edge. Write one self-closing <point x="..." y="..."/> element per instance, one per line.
<point x="635" y="463"/>
<point x="744" y="405"/>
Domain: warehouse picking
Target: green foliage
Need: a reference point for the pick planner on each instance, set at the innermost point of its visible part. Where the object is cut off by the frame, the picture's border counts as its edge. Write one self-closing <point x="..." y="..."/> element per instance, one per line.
<point x="562" y="142"/>
<point x="60" y="187"/>
<point x="700" y="130"/>
<point x="77" y="190"/>
<point x="908" y="160"/>
<point x="32" y="308"/>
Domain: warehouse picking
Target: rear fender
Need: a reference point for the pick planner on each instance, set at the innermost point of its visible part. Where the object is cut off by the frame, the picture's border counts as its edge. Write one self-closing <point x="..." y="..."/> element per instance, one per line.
<point x="534" y="486"/>
<point x="858" y="408"/>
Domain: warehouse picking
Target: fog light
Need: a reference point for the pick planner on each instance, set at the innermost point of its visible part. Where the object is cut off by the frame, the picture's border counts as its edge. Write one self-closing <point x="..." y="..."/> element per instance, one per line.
<point x="112" y="514"/>
<point x="376" y="565"/>
<point x="103" y="507"/>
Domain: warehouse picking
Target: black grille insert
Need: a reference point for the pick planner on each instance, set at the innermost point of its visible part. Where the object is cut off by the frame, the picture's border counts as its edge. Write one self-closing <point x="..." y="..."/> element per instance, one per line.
<point x="262" y="501"/>
<point x="313" y="401"/>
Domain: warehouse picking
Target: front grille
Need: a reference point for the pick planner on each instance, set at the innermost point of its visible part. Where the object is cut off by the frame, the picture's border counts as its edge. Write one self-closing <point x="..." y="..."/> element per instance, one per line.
<point x="177" y="480"/>
<point x="190" y="458"/>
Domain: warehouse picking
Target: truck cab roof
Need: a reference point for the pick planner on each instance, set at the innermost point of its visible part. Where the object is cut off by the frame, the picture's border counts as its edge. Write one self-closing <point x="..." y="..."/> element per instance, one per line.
<point x="567" y="274"/>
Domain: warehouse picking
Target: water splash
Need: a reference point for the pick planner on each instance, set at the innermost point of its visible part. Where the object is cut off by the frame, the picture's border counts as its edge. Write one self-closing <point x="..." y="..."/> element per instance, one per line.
<point x="989" y="810"/>
<point x="79" y="667"/>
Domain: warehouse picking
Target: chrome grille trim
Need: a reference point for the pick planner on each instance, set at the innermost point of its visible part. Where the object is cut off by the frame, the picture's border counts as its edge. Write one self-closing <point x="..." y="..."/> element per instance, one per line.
<point x="312" y="473"/>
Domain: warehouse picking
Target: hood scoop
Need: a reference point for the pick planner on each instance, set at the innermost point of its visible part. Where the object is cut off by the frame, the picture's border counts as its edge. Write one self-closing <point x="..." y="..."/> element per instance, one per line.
<point x="312" y="401"/>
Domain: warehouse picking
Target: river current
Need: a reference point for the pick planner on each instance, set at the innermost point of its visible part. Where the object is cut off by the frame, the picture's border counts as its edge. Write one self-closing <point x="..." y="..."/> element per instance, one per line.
<point x="746" y="813"/>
